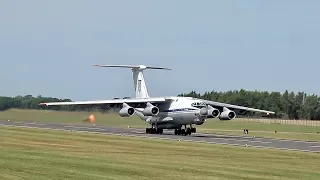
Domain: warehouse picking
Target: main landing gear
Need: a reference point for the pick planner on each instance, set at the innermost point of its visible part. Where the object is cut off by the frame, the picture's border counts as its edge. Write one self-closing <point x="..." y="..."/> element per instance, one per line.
<point x="154" y="130"/>
<point x="184" y="132"/>
<point x="178" y="131"/>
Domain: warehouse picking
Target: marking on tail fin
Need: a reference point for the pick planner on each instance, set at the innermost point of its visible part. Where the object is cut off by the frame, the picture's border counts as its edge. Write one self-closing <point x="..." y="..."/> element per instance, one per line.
<point x="139" y="86"/>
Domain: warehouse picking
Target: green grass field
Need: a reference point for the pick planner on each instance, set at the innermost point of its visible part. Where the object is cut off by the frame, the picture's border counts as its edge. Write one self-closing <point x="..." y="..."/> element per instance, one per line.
<point x="234" y="127"/>
<point x="51" y="154"/>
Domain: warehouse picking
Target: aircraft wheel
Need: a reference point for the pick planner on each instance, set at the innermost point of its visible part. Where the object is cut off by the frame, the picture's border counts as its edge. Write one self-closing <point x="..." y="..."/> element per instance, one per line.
<point x="183" y="132"/>
<point x="147" y="130"/>
<point x="177" y="131"/>
<point x="193" y="130"/>
<point x="188" y="132"/>
<point x="159" y="131"/>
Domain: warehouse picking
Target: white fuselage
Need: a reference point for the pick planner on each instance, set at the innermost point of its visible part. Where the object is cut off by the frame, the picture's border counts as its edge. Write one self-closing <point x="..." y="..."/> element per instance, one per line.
<point x="177" y="112"/>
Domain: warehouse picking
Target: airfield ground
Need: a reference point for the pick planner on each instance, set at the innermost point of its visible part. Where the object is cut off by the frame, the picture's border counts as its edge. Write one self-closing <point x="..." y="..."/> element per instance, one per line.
<point x="53" y="154"/>
<point x="256" y="128"/>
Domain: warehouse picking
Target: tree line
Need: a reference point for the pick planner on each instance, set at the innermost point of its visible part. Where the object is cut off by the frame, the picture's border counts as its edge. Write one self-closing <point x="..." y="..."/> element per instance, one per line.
<point x="30" y="102"/>
<point x="286" y="105"/>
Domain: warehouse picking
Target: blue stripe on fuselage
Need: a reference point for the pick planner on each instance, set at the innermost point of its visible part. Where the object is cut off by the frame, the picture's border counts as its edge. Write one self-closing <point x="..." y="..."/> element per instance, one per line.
<point x="180" y="110"/>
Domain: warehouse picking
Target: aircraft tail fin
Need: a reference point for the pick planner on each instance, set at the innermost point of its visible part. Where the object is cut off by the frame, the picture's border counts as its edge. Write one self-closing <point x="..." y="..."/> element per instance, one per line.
<point x="138" y="77"/>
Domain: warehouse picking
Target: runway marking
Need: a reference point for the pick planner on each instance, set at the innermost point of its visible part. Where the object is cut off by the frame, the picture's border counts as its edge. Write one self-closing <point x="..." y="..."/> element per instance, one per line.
<point x="34" y="123"/>
<point x="243" y="140"/>
<point x="83" y="131"/>
<point x="263" y="142"/>
<point x="139" y="132"/>
<point x="262" y="138"/>
<point x="24" y="126"/>
<point x="80" y="127"/>
<point x="19" y="122"/>
<point x="69" y="126"/>
<point x="189" y="140"/>
<point x="97" y="128"/>
<point x="41" y="124"/>
<point x="315" y="146"/>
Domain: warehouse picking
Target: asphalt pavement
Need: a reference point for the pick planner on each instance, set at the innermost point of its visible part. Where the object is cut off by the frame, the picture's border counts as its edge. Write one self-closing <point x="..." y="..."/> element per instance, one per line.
<point x="248" y="141"/>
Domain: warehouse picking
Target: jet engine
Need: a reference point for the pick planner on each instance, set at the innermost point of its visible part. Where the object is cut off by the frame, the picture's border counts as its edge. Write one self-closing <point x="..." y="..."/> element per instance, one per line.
<point x="227" y="114"/>
<point x="212" y="112"/>
<point x="150" y="110"/>
<point x="126" y="110"/>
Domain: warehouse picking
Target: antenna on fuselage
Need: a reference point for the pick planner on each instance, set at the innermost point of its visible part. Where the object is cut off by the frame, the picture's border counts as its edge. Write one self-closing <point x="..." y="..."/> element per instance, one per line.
<point x="138" y="78"/>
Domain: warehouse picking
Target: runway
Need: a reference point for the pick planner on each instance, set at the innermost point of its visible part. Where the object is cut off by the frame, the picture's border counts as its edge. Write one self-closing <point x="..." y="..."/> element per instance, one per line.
<point x="305" y="146"/>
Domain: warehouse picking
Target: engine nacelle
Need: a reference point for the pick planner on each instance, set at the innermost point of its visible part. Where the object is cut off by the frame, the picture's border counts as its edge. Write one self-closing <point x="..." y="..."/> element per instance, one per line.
<point x="126" y="111"/>
<point x="150" y="110"/>
<point x="212" y="112"/>
<point x="227" y="114"/>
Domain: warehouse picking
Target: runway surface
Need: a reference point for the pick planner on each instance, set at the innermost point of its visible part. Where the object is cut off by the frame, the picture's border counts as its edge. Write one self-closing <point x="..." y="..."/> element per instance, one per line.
<point x="305" y="146"/>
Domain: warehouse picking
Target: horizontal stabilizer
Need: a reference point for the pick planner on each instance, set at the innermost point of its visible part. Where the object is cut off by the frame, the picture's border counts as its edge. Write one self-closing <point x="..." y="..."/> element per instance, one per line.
<point x="141" y="67"/>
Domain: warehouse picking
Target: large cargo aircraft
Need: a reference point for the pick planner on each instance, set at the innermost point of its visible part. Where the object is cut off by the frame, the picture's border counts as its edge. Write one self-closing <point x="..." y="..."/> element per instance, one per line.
<point x="178" y="113"/>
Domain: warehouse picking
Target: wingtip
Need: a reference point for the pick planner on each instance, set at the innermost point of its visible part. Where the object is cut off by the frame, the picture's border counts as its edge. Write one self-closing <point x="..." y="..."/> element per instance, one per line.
<point x="166" y="68"/>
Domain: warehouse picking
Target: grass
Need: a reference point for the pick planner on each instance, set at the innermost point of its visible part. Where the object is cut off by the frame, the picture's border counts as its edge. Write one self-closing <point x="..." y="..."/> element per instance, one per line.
<point x="234" y="127"/>
<point x="51" y="154"/>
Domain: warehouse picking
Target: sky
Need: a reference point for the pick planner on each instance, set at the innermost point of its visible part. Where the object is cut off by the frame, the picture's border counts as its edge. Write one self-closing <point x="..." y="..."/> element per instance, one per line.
<point x="48" y="47"/>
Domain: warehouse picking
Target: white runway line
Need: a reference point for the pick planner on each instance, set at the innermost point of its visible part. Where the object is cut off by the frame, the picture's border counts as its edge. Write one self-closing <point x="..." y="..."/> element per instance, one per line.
<point x="80" y="128"/>
<point x="69" y="126"/>
<point x="97" y="128"/>
<point x="243" y="140"/>
<point x="41" y="124"/>
<point x="315" y="146"/>
<point x="263" y="142"/>
<point x="139" y="132"/>
<point x="35" y="123"/>
<point x="18" y="122"/>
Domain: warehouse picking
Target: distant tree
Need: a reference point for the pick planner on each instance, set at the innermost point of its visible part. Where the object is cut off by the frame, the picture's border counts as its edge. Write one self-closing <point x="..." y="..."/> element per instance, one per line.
<point x="286" y="105"/>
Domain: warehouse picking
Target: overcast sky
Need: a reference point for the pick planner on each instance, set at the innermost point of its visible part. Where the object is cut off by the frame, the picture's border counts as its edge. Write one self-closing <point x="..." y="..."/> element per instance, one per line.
<point x="48" y="47"/>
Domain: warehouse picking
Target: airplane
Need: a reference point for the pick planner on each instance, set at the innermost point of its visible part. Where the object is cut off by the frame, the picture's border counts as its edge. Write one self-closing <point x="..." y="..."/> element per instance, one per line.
<point x="172" y="112"/>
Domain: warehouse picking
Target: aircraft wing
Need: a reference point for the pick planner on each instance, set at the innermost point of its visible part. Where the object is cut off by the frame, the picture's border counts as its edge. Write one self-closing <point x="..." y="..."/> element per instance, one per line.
<point x="113" y="101"/>
<point x="213" y="103"/>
